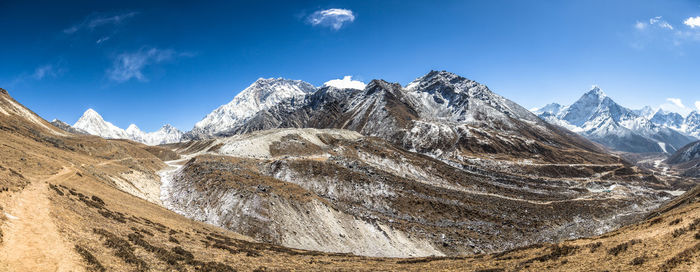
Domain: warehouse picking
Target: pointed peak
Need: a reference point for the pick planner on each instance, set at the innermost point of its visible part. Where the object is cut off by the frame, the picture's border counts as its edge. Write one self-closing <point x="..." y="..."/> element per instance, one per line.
<point x="596" y="91"/>
<point x="168" y="127"/>
<point x="439" y="74"/>
<point x="90" y="113"/>
<point x="132" y="126"/>
<point x="281" y="82"/>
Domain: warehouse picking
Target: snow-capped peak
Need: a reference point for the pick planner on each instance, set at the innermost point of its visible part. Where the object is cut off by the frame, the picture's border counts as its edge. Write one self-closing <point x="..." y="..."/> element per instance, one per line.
<point x="261" y="95"/>
<point x="596" y="92"/>
<point x="598" y="117"/>
<point x="133" y="129"/>
<point x="93" y="123"/>
<point x="346" y="83"/>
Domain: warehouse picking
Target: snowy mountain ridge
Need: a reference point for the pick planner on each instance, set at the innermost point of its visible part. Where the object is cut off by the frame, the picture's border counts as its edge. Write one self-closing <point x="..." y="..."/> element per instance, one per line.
<point x="92" y="123"/>
<point x="599" y="118"/>
<point x="261" y="95"/>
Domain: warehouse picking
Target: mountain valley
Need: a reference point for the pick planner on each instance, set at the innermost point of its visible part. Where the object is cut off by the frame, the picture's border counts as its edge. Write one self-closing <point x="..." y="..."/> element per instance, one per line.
<point x="440" y="174"/>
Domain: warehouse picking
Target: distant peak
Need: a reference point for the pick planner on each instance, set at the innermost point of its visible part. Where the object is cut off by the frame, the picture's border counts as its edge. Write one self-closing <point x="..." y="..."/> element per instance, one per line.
<point x="596" y="91"/>
<point x="132" y="126"/>
<point x="440" y="74"/>
<point x="281" y="82"/>
<point x="90" y="113"/>
<point x="168" y="127"/>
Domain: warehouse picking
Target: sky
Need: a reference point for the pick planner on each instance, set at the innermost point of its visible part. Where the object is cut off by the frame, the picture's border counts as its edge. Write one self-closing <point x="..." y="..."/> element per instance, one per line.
<point x="157" y="62"/>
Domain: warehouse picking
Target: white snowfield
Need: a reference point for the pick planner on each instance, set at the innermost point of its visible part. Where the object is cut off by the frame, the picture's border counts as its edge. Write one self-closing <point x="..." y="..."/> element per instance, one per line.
<point x="93" y="123"/>
<point x="257" y="144"/>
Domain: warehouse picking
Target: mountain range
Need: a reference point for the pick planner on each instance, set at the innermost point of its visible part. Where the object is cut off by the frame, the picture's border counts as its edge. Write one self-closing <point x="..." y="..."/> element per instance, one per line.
<point x="427" y="118"/>
<point x="92" y="123"/>
<point x="600" y="119"/>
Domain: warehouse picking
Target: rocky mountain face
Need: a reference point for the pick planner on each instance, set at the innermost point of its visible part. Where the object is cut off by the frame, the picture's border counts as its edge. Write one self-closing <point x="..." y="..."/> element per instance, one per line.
<point x="597" y="117"/>
<point x="686" y="160"/>
<point x="691" y="124"/>
<point x="66" y="127"/>
<point x="261" y="95"/>
<point x="687" y="153"/>
<point x="92" y="123"/>
<point x="668" y="119"/>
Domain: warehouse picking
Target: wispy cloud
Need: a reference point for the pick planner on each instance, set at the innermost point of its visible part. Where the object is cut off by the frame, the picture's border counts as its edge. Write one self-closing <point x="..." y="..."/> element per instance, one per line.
<point x="676" y="101"/>
<point x="130" y="65"/>
<point x="333" y="18"/>
<point x="100" y="19"/>
<point x="675" y="105"/>
<point x="692" y="22"/>
<point x="658" y="31"/>
<point x="103" y="39"/>
<point x="48" y="70"/>
<point x="657" y="22"/>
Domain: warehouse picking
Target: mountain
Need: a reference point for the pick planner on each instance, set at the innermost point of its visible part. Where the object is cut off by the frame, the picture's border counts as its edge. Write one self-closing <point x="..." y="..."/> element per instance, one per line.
<point x="687" y="160"/>
<point x="165" y="135"/>
<point x="66" y="127"/>
<point x="261" y="95"/>
<point x="687" y="153"/>
<point x="669" y="119"/>
<point x="92" y="123"/>
<point x="691" y="124"/>
<point x="597" y="117"/>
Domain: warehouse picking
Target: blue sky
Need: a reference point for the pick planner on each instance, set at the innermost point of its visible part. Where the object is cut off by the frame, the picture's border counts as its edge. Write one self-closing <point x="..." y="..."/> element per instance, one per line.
<point x="173" y="62"/>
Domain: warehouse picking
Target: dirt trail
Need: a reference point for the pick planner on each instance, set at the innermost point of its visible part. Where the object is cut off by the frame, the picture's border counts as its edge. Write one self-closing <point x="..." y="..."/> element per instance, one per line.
<point x="31" y="239"/>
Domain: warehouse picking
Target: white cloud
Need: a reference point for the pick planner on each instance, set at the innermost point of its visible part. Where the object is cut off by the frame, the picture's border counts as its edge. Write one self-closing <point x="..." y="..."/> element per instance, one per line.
<point x="130" y="65"/>
<point x="333" y="18"/>
<point x="676" y="101"/>
<point x="640" y="25"/>
<point x="346" y="83"/>
<point x="697" y="105"/>
<point x="96" y="20"/>
<point x="658" y="21"/>
<point x="675" y="105"/>
<point x="692" y="22"/>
